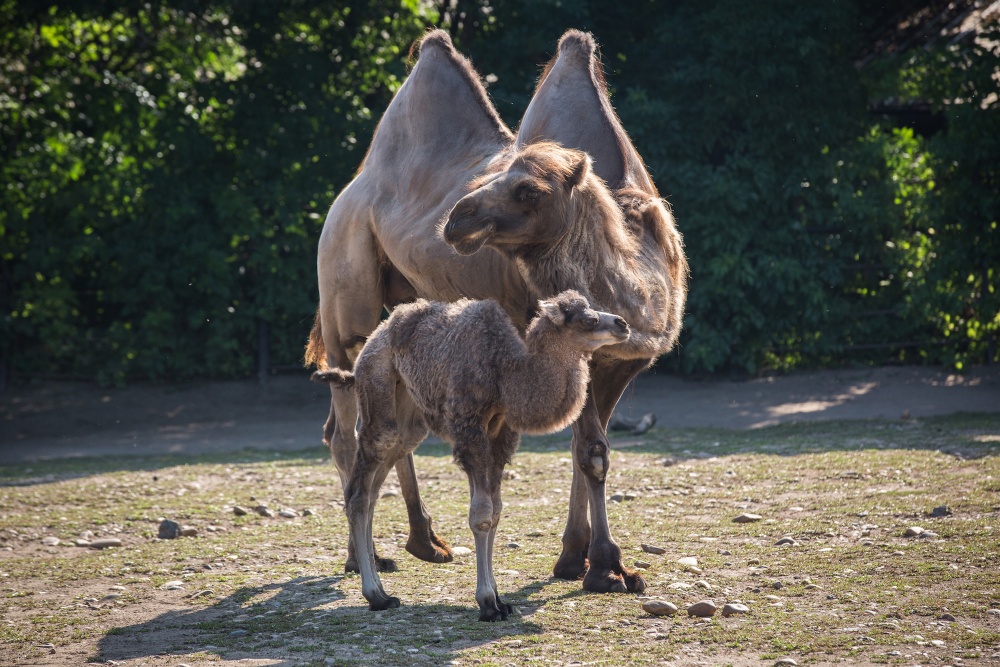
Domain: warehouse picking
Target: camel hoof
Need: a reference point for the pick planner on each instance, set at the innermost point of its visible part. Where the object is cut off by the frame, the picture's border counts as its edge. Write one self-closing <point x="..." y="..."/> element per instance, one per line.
<point x="382" y="605"/>
<point x="605" y="582"/>
<point x="435" y="551"/>
<point x="634" y="582"/>
<point x="570" y="567"/>
<point x="381" y="565"/>
<point x="493" y="614"/>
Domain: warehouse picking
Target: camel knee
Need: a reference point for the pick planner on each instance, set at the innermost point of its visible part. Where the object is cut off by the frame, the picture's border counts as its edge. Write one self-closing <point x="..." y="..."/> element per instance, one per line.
<point x="482" y="516"/>
<point x="594" y="460"/>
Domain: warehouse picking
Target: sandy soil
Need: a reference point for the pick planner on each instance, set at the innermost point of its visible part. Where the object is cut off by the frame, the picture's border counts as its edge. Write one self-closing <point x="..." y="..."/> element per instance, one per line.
<point x="57" y="419"/>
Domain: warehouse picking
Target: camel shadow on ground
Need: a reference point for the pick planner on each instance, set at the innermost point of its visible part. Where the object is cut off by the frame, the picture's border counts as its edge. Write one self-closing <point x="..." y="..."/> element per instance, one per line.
<point x="303" y="621"/>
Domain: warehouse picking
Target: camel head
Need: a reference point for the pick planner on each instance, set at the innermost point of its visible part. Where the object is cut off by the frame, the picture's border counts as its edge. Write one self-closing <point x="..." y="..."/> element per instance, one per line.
<point x="523" y="205"/>
<point x="588" y="329"/>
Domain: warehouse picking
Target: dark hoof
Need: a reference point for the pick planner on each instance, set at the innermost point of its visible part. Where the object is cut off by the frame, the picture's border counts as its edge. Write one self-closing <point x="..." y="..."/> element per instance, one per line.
<point x="491" y="614"/>
<point x="606" y="581"/>
<point x="570" y="567"/>
<point x="434" y="551"/>
<point x="634" y="581"/>
<point x="381" y="565"/>
<point x="382" y="605"/>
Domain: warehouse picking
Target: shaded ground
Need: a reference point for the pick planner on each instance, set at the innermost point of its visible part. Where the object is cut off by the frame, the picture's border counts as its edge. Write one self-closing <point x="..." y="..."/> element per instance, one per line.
<point x="54" y="420"/>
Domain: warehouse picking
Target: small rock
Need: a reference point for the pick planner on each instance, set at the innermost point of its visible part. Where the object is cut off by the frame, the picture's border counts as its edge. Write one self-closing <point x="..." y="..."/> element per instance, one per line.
<point x="389" y="494"/>
<point x="513" y="545"/>
<point x="753" y="561"/>
<point x="239" y="632"/>
<point x="461" y="551"/>
<point x="643" y="565"/>
<point x="703" y="609"/>
<point x="701" y="583"/>
<point x="746" y="517"/>
<point x="239" y="511"/>
<point x="785" y="661"/>
<point x="110" y="597"/>
<point x="80" y="542"/>
<point x="776" y="584"/>
<point x="912" y="531"/>
<point x="928" y="535"/>
<point x="725" y="552"/>
<point x="786" y="541"/>
<point x="308" y="512"/>
<point x="534" y="533"/>
<point x="993" y="612"/>
<point x="681" y="586"/>
<point x="617" y="498"/>
<point x="898" y="553"/>
<point x="264" y="510"/>
<point x="772" y="598"/>
<point x="652" y="549"/>
<point x="189" y="531"/>
<point x="941" y="510"/>
<point x="169" y="530"/>
<point x="813" y="587"/>
<point x="938" y="643"/>
<point x="659" y="608"/>
<point x="288" y="514"/>
<point x="734" y="608"/>
<point x="50" y="541"/>
<point x="688" y="561"/>
<point x="105" y="543"/>
<point x="174" y="585"/>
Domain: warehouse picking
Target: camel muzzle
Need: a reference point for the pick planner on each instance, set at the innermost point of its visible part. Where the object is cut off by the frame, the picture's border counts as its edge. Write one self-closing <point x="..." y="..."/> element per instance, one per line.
<point x="465" y="232"/>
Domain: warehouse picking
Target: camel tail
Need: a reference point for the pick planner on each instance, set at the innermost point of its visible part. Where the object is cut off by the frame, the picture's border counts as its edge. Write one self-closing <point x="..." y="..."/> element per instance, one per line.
<point x="315" y="348"/>
<point x="335" y="376"/>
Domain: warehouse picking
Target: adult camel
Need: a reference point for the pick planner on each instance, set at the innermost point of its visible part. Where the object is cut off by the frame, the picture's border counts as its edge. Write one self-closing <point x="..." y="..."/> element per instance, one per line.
<point x="381" y="246"/>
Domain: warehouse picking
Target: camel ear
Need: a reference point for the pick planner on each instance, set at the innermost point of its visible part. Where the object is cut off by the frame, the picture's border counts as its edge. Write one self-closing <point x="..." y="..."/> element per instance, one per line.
<point x="580" y="171"/>
<point x="552" y="311"/>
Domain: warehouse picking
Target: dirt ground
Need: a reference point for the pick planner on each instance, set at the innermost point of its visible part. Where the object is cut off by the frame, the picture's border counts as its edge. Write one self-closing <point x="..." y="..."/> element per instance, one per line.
<point x="58" y="419"/>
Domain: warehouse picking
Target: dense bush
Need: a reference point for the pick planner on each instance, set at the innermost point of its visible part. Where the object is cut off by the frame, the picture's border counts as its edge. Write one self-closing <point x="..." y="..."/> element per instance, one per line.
<point x="166" y="168"/>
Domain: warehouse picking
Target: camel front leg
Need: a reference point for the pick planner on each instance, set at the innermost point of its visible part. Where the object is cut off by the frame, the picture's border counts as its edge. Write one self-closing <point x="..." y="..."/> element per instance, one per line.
<point x="484" y="516"/>
<point x="366" y="479"/>
<point x="603" y="570"/>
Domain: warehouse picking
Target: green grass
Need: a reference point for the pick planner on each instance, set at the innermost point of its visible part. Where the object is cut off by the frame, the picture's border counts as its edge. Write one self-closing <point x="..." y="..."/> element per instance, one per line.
<point x="852" y="589"/>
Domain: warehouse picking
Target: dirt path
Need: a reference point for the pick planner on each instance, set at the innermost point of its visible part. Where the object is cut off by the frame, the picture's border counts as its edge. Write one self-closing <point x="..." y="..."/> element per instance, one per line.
<point x="58" y="420"/>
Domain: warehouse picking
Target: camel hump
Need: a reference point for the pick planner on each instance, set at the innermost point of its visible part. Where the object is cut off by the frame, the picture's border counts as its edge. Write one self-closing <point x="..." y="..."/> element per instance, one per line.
<point x="434" y="38"/>
<point x="571" y="107"/>
<point x="577" y="42"/>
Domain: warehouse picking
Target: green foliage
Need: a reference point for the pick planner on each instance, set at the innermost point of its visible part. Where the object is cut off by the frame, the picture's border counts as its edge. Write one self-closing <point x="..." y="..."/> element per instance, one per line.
<point x="165" y="169"/>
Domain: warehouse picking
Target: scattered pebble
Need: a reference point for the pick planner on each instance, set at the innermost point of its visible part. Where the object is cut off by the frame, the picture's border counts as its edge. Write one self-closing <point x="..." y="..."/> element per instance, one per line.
<point x="629" y="496"/>
<point x="105" y="543"/>
<point x="746" y="517"/>
<point x="308" y="512"/>
<point x="681" y="586"/>
<point x="617" y="498"/>
<point x="772" y="598"/>
<point x="643" y="565"/>
<point x="169" y="530"/>
<point x="239" y="511"/>
<point x="753" y="561"/>
<point x="189" y="531"/>
<point x="80" y="542"/>
<point x="946" y="617"/>
<point x="734" y="608"/>
<point x="110" y="597"/>
<point x="513" y="545"/>
<point x="652" y="549"/>
<point x="725" y="552"/>
<point x="659" y="608"/>
<point x="461" y="551"/>
<point x="174" y="585"/>
<point x="813" y="587"/>
<point x="993" y="612"/>
<point x="688" y="561"/>
<point x="534" y="533"/>
<point x="264" y="510"/>
<point x="239" y="632"/>
<point x="928" y="535"/>
<point x="701" y="583"/>
<point x="941" y="510"/>
<point x="776" y="584"/>
<point x="938" y="643"/>
<point x="703" y="609"/>
<point x="785" y="661"/>
<point x="50" y="541"/>
<point x="786" y="541"/>
<point x="912" y="531"/>
<point x="390" y="494"/>
<point x="898" y="553"/>
<point x="288" y="514"/>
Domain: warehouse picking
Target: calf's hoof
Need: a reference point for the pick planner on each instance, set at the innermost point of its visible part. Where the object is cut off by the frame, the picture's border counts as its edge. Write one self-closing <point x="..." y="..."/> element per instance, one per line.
<point x="498" y="612"/>
<point x="434" y="550"/>
<point x="383" y="603"/>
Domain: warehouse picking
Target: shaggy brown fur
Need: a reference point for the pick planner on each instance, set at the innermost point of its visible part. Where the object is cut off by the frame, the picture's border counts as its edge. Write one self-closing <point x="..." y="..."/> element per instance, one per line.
<point x="477" y="385"/>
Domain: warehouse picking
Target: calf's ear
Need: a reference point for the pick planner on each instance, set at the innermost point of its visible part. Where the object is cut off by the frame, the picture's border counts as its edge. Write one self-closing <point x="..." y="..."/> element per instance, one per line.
<point x="552" y="311"/>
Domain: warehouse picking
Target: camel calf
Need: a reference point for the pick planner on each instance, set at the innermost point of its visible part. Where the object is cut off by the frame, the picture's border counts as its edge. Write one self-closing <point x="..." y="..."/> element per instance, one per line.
<point x="476" y="384"/>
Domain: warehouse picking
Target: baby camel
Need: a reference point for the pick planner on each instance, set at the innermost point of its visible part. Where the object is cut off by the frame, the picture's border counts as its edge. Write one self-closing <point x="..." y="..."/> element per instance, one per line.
<point x="478" y="385"/>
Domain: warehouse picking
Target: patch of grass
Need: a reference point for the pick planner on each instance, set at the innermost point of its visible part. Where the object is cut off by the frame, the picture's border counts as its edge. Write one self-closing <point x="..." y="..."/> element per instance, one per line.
<point x="852" y="588"/>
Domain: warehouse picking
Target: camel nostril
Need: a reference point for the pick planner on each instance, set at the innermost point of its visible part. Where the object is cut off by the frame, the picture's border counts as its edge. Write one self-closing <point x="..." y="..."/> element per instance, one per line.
<point x="620" y="321"/>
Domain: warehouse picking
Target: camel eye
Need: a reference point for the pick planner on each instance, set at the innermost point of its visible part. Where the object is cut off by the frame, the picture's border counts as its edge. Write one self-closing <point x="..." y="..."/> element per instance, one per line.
<point x="527" y="194"/>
